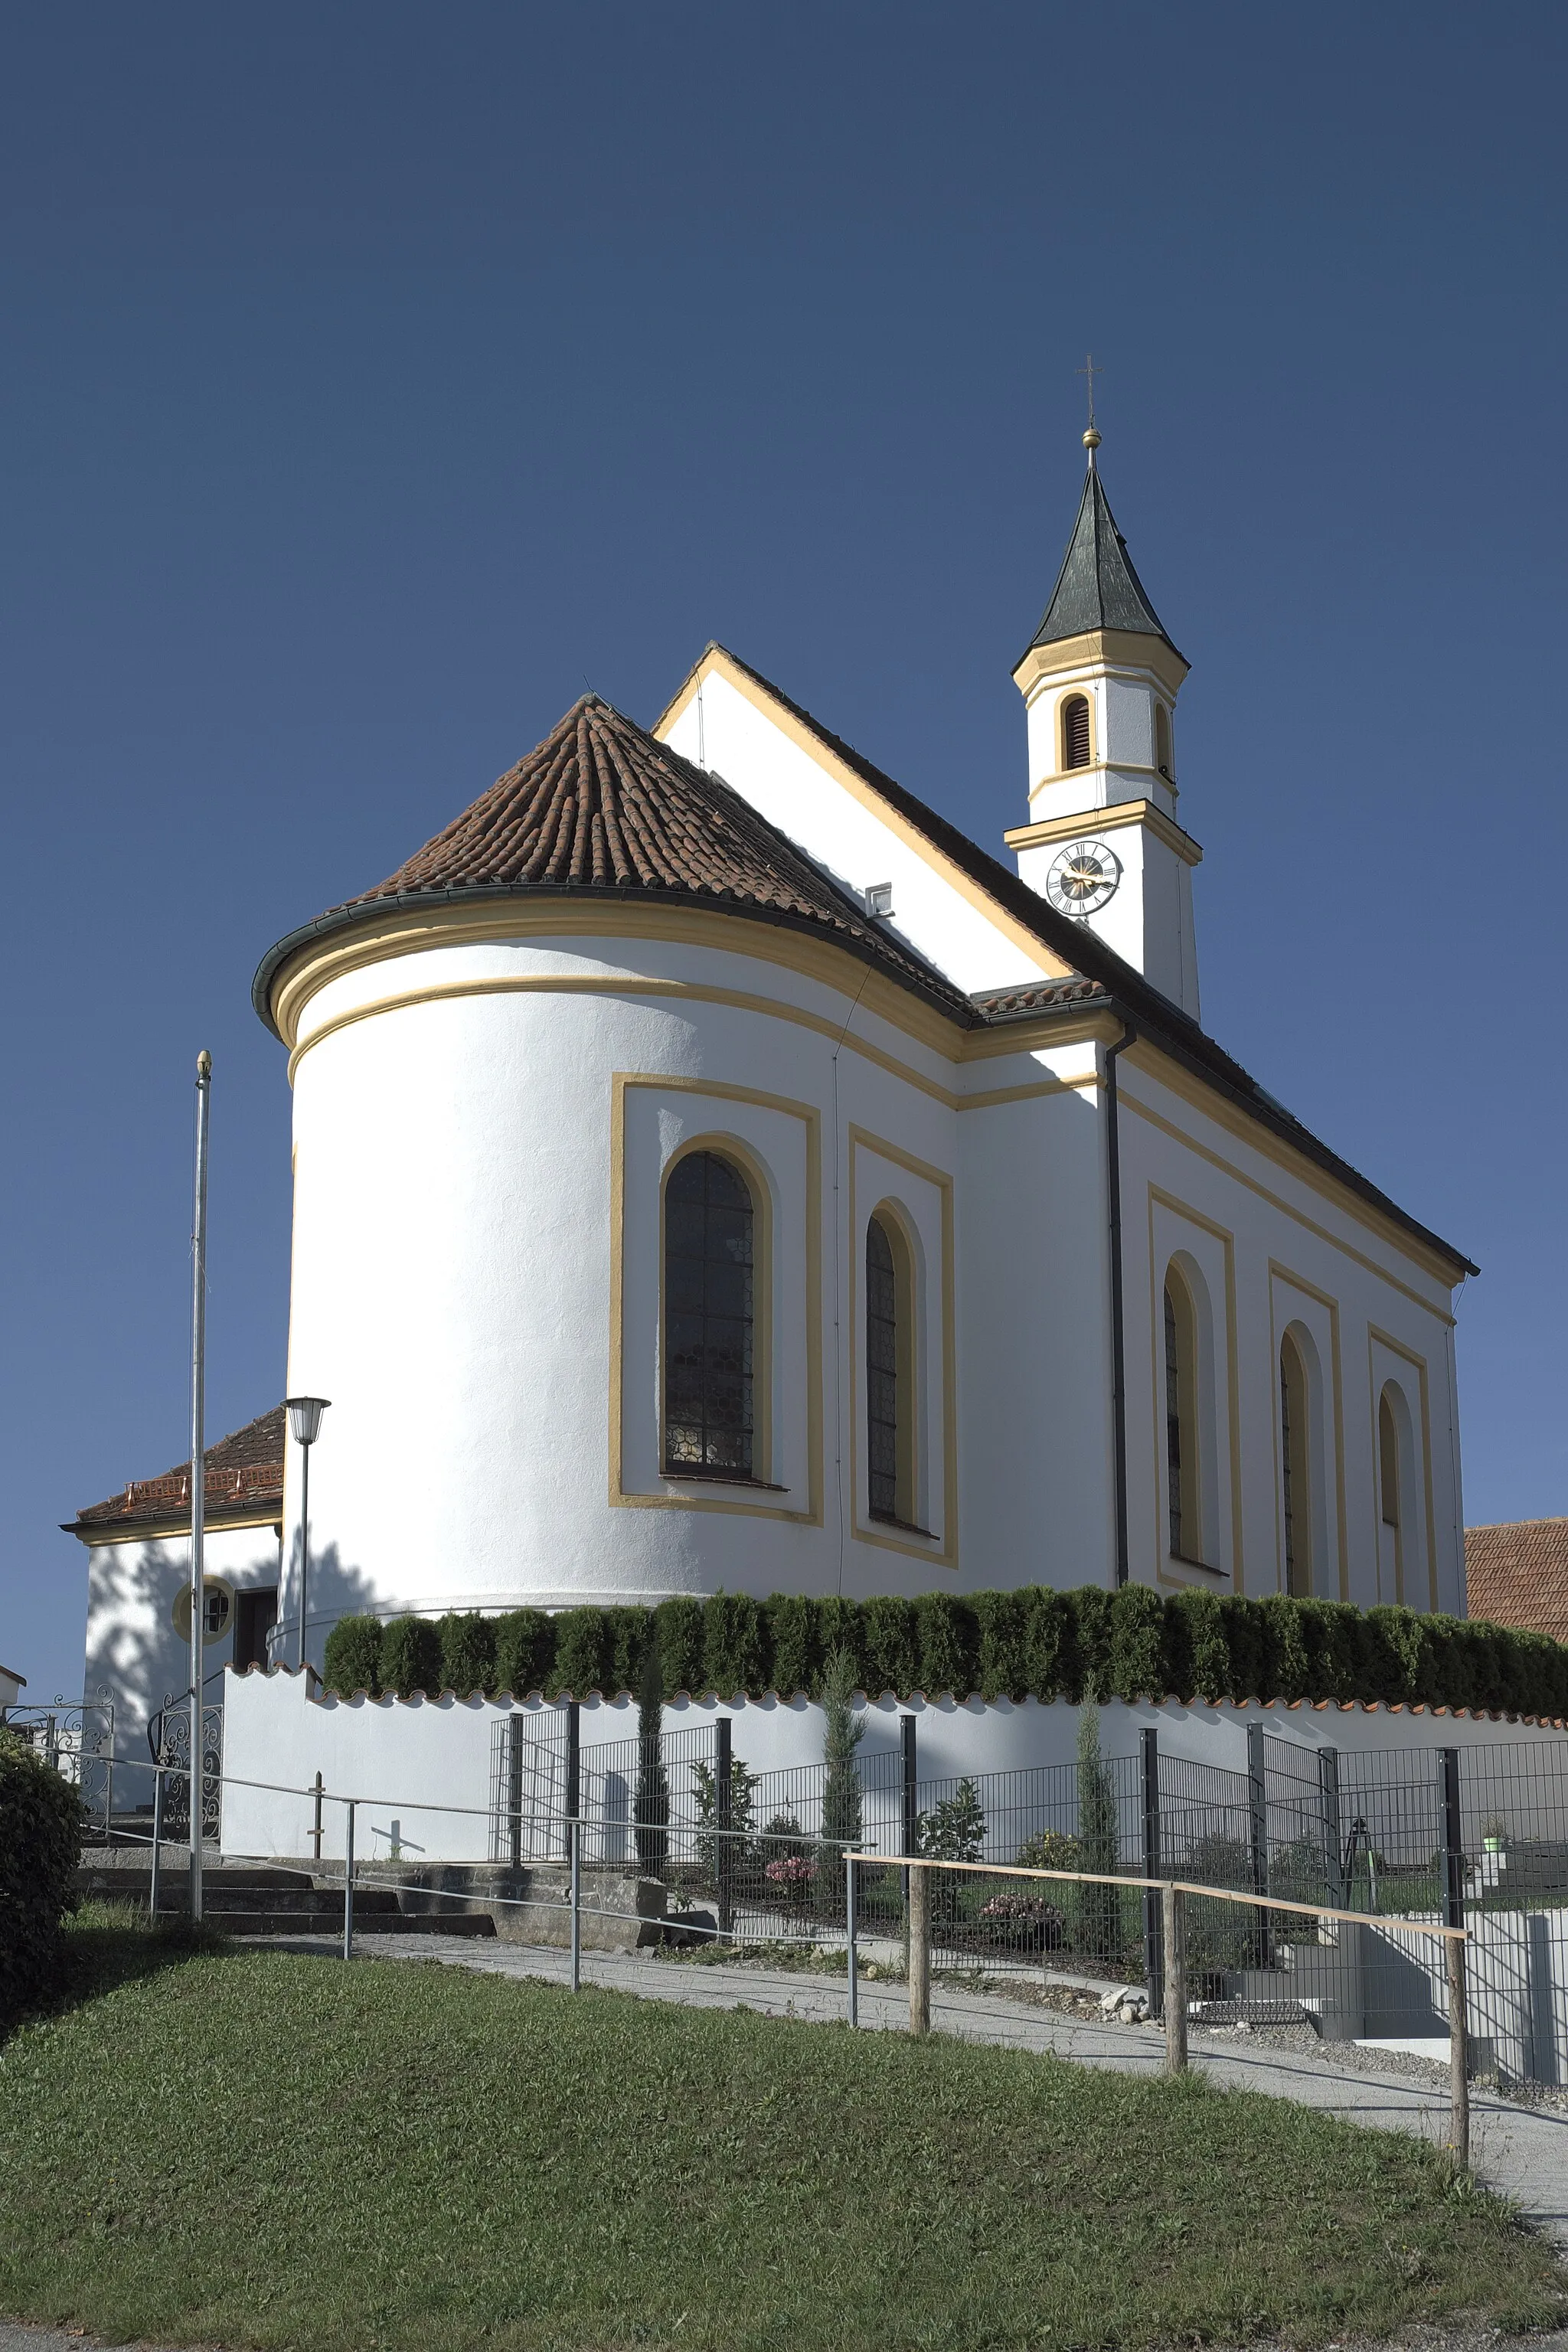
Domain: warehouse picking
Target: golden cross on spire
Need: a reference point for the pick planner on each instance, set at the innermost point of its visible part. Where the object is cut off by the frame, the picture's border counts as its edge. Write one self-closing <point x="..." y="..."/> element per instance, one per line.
<point x="1091" y="438"/>
<point x="1089" y="371"/>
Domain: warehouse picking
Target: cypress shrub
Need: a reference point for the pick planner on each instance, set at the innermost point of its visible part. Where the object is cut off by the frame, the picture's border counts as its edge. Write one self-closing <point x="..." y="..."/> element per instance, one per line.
<point x="1200" y="1646"/>
<point x="677" y="1635"/>
<point x="467" y="1651"/>
<point x="1135" y="1662"/>
<point x="892" y="1646"/>
<point x="1003" y="1619"/>
<point x="1036" y="1641"/>
<point x="525" y="1650"/>
<point x="584" y="1652"/>
<point x="1244" y="1634"/>
<point x="1091" y="1643"/>
<point x="410" y="1656"/>
<point x="352" y="1658"/>
<point x="792" y="1639"/>
<point x="1287" y="1667"/>
<point x="1049" y="1632"/>
<point x="949" y="1644"/>
<point x="841" y="1629"/>
<point x="1342" y="1660"/>
<point x="735" y="1647"/>
<point x="41" y="1845"/>
<point x="631" y="1639"/>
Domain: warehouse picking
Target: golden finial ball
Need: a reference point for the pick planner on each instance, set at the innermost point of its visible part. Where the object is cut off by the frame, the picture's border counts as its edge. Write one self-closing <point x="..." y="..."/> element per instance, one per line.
<point x="1091" y="440"/>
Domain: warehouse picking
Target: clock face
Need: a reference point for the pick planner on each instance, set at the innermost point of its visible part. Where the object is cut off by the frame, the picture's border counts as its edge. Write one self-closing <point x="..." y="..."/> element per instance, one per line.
<point x="1083" y="878"/>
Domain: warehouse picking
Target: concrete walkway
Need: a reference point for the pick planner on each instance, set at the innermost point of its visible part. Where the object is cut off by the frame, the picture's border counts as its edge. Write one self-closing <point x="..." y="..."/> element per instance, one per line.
<point x="1520" y="2151"/>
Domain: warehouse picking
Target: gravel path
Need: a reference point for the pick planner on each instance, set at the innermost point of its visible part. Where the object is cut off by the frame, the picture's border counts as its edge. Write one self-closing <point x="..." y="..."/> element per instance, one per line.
<point x="1521" y="2151"/>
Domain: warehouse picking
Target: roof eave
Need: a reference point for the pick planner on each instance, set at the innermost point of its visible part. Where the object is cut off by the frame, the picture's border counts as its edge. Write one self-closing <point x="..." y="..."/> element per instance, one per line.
<point x="363" y="912"/>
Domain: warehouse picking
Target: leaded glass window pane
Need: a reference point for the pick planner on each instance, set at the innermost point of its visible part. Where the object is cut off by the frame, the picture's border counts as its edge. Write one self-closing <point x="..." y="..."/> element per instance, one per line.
<point x="881" y="1372"/>
<point x="1173" y="1424"/>
<point x="708" y="1312"/>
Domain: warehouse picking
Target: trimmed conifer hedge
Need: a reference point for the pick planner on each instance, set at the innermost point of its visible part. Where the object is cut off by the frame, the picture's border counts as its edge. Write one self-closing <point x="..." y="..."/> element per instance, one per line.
<point x="1035" y="1642"/>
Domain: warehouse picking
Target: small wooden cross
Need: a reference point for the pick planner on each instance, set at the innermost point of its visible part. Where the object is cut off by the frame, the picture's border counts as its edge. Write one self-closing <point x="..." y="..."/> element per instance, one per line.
<point x="1091" y="371"/>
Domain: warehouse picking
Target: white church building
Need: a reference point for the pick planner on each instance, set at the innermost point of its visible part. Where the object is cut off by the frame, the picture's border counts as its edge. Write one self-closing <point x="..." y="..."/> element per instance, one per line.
<point x="713" y="1171"/>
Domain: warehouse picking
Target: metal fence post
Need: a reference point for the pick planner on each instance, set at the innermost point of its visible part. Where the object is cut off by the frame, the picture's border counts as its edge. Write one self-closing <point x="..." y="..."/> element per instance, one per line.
<point x="1334" y="1878"/>
<point x="1175" y="1938"/>
<point x="723" y="1788"/>
<point x="1153" y="1964"/>
<point x="1459" y="2055"/>
<point x="108" y="1800"/>
<point x="911" y="1827"/>
<point x="1453" y="1840"/>
<point x="514" y="1789"/>
<point x="316" y="1827"/>
<point x="1258" y="1837"/>
<point x="573" y="1766"/>
<point x="154" y="1883"/>
<point x="920" y="1951"/>
<point x="349" y="1885"/>
<point x="849" y="1861"/>
<point x="574" y="1839"/>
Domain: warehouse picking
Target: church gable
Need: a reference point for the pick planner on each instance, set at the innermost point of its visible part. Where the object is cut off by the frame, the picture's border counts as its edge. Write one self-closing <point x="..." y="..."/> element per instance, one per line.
<point x="935" y="889"/>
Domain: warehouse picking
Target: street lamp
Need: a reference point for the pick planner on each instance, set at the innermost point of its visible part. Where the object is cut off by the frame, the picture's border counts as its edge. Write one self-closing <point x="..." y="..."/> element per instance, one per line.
<point x="305" y="1421"/>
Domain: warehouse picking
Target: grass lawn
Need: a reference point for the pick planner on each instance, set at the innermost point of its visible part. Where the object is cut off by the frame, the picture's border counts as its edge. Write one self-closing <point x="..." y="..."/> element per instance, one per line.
<point x="263" y="2150"/>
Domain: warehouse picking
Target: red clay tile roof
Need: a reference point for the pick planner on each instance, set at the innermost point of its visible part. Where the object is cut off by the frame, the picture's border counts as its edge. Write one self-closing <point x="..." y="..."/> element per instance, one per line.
<point x="1517" y="1574"/>
<point x="244" y="1472"/>
<point x="601" y="806"/>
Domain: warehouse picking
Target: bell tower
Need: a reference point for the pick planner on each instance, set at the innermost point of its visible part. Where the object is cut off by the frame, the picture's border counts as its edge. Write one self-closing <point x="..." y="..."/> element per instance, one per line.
<point x="1100" y="682"/>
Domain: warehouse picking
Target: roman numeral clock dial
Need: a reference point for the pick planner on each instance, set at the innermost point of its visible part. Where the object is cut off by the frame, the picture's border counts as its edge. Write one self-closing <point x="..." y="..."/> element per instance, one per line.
<point x="1083" y="878"/>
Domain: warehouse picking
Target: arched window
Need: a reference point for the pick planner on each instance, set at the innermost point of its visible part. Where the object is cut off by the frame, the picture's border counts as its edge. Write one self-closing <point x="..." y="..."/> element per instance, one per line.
<point x="1295" y="1455"/>
<point x="1075" y="731"/>
<point x="1390" y="1484"/>
<point x="1181" y="1421"/>
<point x="709" y="1319"/>
<point x="1163" y="740"/>
<point x="890" y="1401"/>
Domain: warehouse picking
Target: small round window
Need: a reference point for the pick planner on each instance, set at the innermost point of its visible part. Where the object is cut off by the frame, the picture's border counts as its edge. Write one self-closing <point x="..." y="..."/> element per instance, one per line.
<point x="217" y="1612"/>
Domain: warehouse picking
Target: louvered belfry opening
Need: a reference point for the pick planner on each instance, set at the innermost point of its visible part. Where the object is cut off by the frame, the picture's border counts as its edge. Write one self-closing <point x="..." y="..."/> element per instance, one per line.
<point x="1075" y="731"/>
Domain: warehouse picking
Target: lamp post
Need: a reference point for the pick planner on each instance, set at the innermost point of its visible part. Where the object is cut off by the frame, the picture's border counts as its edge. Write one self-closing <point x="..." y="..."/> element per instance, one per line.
<point x="305" y="1421"/>
<point x="198" y="1468"/>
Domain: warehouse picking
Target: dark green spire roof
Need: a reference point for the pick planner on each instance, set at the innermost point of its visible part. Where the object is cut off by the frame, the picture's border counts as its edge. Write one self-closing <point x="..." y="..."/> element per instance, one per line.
<point x="1098" y="588"/>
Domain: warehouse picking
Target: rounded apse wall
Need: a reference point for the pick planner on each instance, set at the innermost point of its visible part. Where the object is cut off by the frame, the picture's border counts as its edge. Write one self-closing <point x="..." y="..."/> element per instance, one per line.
<point x="481" y="1135"/>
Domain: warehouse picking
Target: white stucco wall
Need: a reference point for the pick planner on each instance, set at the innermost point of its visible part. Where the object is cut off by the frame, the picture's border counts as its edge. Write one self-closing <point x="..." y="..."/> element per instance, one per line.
<point x="420" y="1770"/>
<point x="133" y="1650"/>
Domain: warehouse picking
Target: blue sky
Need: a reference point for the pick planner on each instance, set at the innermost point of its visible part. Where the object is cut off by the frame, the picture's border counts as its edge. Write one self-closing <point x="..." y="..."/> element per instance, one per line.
<point x="375" y="377"/>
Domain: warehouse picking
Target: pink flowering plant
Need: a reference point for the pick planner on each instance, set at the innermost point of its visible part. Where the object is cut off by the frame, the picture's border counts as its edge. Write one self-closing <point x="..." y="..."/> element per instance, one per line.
<point x="792" y="1873"/>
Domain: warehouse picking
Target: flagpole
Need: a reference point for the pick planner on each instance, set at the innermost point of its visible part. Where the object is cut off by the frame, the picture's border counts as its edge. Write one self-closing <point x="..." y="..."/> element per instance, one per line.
<point x="198" y="1468"/>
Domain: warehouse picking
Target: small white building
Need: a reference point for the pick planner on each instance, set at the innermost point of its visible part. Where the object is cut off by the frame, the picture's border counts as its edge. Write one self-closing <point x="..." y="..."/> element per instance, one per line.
<point x="712" y="1169"/>
<point x="12" y="1686"/>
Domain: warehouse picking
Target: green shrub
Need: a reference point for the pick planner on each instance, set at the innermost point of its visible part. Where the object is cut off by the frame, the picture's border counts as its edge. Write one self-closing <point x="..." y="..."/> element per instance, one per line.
<point x="584" y="1652"/>
<point x="734" y="1648"/>
<point x="467" y="1651"/>
<point x="1035" y="1643"/>
<point x="893" y="1645"/>
<point x="678" y="1631"/>
<point x="792" y="1632"/>
<point x="1050" y="1850"/>
<point x="41" y="1824"/>
<point x="949" y="1645"/>
<point x="954" y="1830"/>
<point x="525" y="1650"/>
<point x="352" y="1659"/>
<point x="410" y="1656"/>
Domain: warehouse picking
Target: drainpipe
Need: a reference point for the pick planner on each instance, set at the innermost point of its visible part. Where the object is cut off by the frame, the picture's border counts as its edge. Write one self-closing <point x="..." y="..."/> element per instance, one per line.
<point x="1118" y="1338"/>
